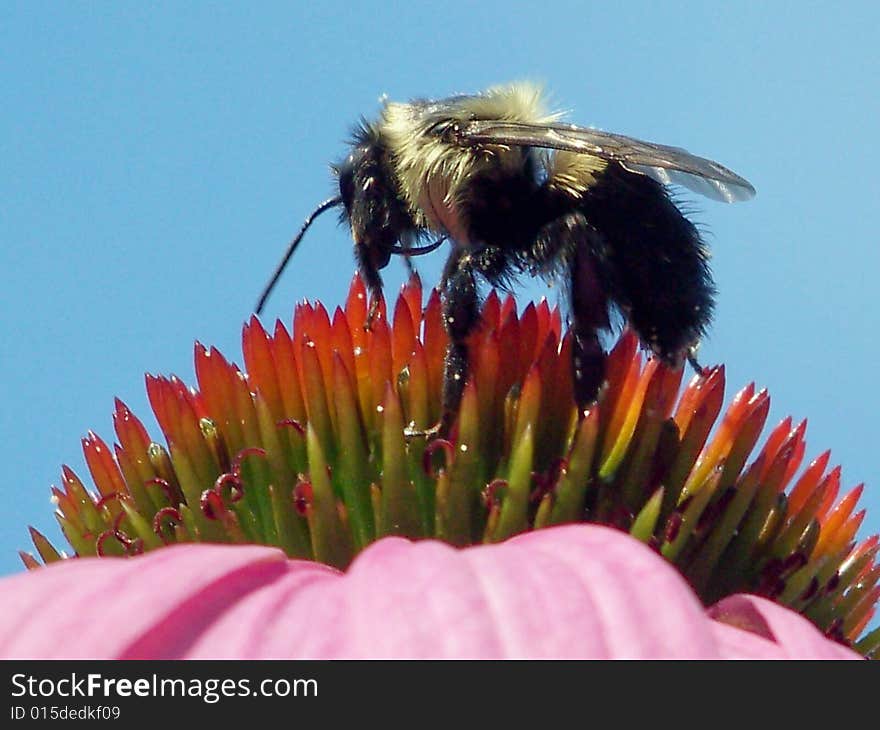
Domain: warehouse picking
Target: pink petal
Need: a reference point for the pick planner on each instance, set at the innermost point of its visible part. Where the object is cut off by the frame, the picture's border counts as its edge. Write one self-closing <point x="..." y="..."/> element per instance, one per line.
<point x="152" y="605"/>
<point x="793" y="636"/>
<point x="574" y="591"/>
<point x="567" y="592"/>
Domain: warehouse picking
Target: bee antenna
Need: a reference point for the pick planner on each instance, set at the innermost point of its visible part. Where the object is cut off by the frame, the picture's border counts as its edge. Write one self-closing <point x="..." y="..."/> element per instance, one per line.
<point x="326" y="205"/>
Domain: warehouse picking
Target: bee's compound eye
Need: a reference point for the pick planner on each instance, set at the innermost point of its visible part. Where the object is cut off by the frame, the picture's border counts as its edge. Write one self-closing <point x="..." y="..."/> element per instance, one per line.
<point x="346" y="190"/>
<point x="346" y="181"/>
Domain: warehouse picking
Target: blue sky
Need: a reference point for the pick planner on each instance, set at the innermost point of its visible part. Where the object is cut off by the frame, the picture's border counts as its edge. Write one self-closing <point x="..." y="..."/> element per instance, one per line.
<point x="155" y="163"/>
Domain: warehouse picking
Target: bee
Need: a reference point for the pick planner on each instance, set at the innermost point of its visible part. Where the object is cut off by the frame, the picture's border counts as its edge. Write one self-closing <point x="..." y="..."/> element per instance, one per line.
<point x="514" y="189"/>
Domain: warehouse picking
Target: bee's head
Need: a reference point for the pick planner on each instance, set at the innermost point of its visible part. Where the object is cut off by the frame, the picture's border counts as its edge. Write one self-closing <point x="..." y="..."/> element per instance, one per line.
<point x="359" y="191"/>
<point x="345" y="172"/>
<point x="372" y="208"/>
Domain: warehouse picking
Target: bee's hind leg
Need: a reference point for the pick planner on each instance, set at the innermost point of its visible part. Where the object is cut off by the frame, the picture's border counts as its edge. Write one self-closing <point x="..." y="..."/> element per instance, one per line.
<point x="572" y="242"/>
<point x="589" y="310"/>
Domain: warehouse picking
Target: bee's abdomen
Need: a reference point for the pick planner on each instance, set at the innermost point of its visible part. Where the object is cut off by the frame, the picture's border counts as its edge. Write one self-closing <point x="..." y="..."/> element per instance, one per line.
<point x="656" y="264"/>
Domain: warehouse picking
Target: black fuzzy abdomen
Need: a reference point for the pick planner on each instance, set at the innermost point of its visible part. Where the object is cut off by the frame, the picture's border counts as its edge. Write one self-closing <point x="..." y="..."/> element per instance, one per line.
<point x="656" y="266"/>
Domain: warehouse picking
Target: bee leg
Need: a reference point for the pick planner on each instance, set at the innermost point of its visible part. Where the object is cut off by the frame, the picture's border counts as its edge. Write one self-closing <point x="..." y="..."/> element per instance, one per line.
<point x="694" y="363"/>
<point x="589" y="309"/>
<point x="372" y="279"/>
<point x="584" y="251"/>
<point x="461" y="313"/>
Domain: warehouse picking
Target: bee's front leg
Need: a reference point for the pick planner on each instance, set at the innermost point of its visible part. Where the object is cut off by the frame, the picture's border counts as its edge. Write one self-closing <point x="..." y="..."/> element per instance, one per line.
<point x="368" y="264"/>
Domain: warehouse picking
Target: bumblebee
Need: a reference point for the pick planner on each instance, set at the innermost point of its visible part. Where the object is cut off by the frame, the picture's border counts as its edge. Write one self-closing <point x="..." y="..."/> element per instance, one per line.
<point x="516" y="190"/>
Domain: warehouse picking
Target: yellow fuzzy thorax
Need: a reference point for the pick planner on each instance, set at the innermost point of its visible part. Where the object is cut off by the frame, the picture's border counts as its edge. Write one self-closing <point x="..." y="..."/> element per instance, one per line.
<point x="432" y="172"/>
<point x="573" y="173"/>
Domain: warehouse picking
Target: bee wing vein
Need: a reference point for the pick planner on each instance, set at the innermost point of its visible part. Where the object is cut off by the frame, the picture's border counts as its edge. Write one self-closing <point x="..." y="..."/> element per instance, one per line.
<point x="663" y="163"/>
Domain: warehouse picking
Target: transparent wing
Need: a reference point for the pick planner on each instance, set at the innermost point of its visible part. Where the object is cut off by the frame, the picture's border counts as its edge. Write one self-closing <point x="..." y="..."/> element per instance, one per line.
<point x="664" y="164"/>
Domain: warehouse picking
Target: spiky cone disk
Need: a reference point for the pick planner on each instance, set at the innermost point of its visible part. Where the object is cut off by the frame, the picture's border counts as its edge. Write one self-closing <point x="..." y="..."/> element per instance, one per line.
<point x="306" y="449"/>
